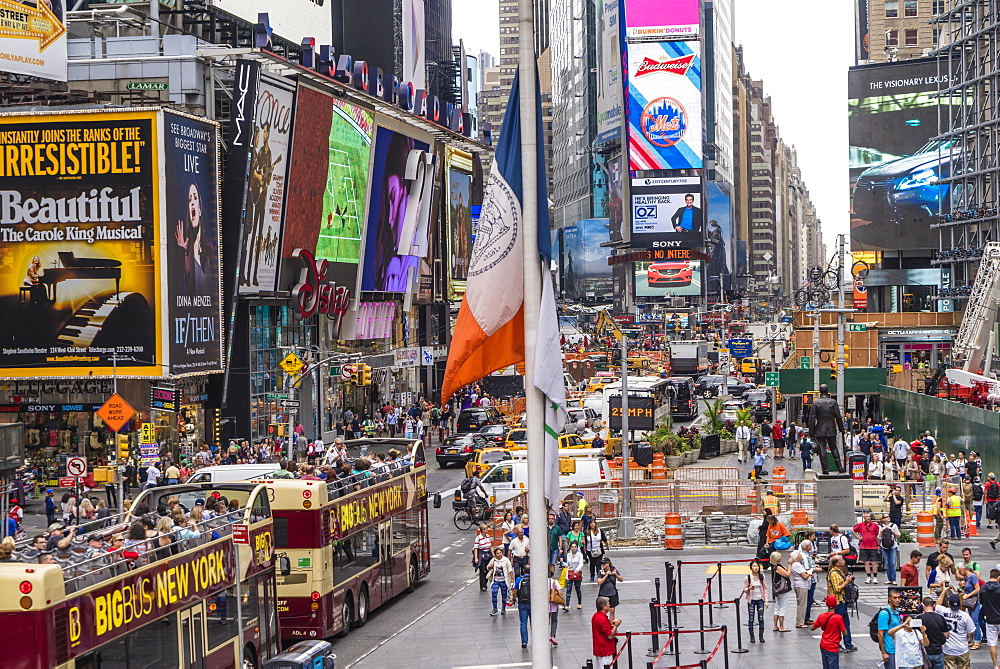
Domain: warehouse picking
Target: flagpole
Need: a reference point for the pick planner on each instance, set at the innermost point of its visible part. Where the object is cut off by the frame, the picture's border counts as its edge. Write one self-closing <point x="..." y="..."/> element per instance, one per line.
<point x="541" y="652"/>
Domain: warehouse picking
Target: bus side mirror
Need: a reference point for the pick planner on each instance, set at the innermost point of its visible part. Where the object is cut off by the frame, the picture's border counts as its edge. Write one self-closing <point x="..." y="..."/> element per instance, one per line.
<point x="284" y="565"/>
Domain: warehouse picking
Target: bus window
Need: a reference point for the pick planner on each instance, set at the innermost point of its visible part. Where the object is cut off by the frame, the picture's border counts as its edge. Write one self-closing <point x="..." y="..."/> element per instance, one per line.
<point x="261" y="509"/>
<point x="499" y="474"/>
<point x="222" y="617"/>
<point x="355" y="553"/>
<point x="149" y="646"/>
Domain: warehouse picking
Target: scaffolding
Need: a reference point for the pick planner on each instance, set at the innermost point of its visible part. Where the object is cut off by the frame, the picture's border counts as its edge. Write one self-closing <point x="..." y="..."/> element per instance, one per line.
<point x="968" y="58"/>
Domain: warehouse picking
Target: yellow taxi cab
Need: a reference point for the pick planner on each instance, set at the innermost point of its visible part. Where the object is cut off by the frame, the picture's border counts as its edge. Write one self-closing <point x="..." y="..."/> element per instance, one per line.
<point x="596" y="383"/>
<point x="751" y="365"/>
<point x="517" y="439"/>
<point x="484" y="460"/>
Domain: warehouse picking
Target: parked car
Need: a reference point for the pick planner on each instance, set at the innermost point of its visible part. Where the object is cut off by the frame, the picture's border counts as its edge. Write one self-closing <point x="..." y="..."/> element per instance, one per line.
<point x="495" y="434"/>
<point x="473" y="418"/>
<point x="762" y="403"/>
<point x="517" y="438"/>
<point x="459" y="448"/>
<point x="710" y="385"/>
<point x="580" y="418"/>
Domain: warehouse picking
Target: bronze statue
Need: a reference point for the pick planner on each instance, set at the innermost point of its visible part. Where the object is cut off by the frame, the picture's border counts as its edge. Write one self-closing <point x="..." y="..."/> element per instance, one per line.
<point x="825" y="423"/>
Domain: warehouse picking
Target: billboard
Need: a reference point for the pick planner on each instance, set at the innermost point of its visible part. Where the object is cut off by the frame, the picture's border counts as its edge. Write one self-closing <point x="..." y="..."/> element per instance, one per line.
<point x="291" y="19"/>
<point x="661" y="19"/>
<point x="668" y="277"/>
<point x="664" y="106"/>
<point x="191" y="171"/>
<point x="80" y="244"/>
<point x="667" y="209"/>
<point x="609" y="71"/>
<point x="586" y="272"/>
<point x="33" y="38"/>
<point x="270" y="142"/>
<point x="895" y="167"/>
<point x="616" y="212"/>
<point x="459" y="211"/>
<point x="719" y="238"/>
<point x="393" y="204"/>
<point x="414" y="43"/>
<point x="346" y="192"/>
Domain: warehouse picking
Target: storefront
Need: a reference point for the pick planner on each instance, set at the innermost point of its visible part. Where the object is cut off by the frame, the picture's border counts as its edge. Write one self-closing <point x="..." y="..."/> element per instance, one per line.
<point x="915" y="348"/>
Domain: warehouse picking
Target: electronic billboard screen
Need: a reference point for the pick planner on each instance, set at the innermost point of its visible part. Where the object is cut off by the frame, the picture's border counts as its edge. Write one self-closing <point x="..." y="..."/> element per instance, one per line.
<point x="895" y="167"/>
<point x="661" y="19"/>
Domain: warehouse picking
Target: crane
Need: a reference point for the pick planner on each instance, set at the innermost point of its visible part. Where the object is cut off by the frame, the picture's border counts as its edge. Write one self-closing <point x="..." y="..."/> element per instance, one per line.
<point x="974" y="345"/>
<point x="605" y="324"/>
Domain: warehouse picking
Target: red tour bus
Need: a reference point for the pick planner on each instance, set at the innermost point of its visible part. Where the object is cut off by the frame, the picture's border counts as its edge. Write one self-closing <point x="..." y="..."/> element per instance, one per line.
<point x="350" y="551"/>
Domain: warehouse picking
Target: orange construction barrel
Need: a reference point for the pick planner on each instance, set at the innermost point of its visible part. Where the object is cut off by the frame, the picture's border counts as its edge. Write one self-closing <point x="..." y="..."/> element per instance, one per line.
<point x="800" y="518"/>
<point x="673" y="538"/>
<point x="659" y="471"/>
<point x="925" y="529"/>
<point x="777" y="479"/>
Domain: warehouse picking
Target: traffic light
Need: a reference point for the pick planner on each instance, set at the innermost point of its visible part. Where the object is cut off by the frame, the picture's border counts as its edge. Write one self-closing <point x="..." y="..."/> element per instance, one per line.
<point x="124" y="449"/>
<point x="364" y="375"/>
<point x="833" y="371"/>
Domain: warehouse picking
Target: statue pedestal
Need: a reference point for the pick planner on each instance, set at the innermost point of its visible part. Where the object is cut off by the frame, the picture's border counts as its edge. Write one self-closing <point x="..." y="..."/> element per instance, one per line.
<point x="834" y="501"/>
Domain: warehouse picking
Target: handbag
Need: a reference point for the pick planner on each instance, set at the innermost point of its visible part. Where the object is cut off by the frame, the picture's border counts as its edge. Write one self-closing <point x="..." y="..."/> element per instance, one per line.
<point x="970" y="602"/>
<point x="556" y="597"/>
<point x="574" y="575"/>
<point x="782" y="544"/>
<point x="780" y="584"/>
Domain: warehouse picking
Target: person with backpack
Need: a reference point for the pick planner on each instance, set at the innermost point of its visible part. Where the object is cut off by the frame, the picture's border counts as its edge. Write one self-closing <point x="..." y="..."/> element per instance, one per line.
<point x="471" y="486"/>
<point x="833" y="628"/>
<point x="978" y="494"/>
<point x="992" y="492"/>
<point x="522" y="595"/>
<point x="838" y="583"/>
<point x="888" y="544"/>
<point x="879" y="627"/>
<point x="868" y="548"/>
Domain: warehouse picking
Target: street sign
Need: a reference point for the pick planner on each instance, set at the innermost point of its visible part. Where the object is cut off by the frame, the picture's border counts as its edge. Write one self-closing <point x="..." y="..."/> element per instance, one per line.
<point x="292" y="364"/>
<point x="857" y="327"/>
<point x="723" y="357"/>
<point x="76" y="466"/>
<point x="334" y="370"/>
<point x="805" y="362"/>
<point x="241" y="534"/>
<point x="147" y="436"/>
<point x="116" y="412"/>
<point x="290" y="404"/>
<point x="67" y="482"/>
<point x="741" y="348"/>
<point x="771" y="379"/>
<point x="347" y="372"/>
<point x="276" y="396"/>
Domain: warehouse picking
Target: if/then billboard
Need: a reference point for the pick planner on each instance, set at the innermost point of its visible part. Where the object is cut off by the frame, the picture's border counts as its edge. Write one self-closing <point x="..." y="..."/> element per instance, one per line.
<point x="93" y="263"/>
<point x="661" y="19"/>
<point x="664" y="106"/>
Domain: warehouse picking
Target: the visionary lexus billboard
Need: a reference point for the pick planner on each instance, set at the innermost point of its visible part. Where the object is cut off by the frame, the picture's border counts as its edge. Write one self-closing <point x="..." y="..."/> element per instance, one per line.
<point x="664" y="106"/>
<point x="895" y="167"/>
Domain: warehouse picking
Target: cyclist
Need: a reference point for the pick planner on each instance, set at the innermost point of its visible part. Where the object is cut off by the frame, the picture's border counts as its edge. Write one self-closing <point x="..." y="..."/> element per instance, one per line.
<point x="471" y="487"/>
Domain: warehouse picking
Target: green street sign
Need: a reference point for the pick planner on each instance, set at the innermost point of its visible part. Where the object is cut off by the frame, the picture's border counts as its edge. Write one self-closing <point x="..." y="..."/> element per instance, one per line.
<point x="805" y="362"/>
<point x="147" y="86"/>
<point x="335" y="370"/>
<point x="771" y="379"/>
<point x="277" y="396"/>
<point x="857" y="327"/>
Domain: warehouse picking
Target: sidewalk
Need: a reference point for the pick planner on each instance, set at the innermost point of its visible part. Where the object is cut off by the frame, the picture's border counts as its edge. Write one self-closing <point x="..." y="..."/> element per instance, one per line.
<point x="460" y="633"/>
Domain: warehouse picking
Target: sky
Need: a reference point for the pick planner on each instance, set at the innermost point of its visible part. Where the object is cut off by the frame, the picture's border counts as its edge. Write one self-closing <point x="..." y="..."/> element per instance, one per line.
<point x="804" y="69"/>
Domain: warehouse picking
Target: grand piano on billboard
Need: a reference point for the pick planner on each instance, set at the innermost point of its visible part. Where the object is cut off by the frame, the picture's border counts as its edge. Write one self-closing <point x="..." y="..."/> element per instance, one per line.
<point x="79" y="239"/>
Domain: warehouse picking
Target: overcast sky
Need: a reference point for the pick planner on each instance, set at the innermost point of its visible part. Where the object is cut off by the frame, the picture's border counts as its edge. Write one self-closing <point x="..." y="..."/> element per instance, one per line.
<point x="804" y="69"/>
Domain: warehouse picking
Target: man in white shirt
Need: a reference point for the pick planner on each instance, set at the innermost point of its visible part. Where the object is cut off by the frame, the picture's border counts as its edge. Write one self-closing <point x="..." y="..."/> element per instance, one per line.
<point x="742" y="441"/>
<point x="900" y="450"/>
<point x="518" y="550"/>
<point x="319" y="448"/>
<point x="152" y="476"/>
<point x="960" y="630"/>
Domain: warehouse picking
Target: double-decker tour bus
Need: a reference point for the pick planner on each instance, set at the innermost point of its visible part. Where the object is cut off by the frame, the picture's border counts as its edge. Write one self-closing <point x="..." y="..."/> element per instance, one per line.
<point x="201" y="598"/>
<point x="352" y="548"/>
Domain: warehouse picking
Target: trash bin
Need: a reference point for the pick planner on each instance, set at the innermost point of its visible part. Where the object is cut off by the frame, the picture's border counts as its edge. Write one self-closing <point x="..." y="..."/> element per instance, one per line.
<point x="305" y="655"/>
<point x="642" y="453"/>
<point x="711" y="446"/>
<point x="857" y="465"/>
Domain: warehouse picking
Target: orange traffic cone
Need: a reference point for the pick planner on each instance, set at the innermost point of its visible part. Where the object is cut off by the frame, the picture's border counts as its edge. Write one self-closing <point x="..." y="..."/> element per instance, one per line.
<point x="973" y="530"/>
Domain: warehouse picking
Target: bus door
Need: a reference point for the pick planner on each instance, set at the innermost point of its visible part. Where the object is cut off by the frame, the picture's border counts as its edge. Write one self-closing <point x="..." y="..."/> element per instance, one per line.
<point x="385" y="558"/>
<point x="192" y="626"/>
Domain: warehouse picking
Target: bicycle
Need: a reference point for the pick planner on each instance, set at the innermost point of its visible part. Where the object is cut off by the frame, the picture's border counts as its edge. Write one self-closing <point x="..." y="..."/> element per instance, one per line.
<point x="465" y="518"/>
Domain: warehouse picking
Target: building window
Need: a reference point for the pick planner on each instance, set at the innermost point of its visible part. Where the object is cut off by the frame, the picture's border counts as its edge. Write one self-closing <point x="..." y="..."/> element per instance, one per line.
<point x="911" y="37"/>
<point x="938" y="7"/>
<point x="937" y="38"/>
<point x="891" y="9"/>
<point x="892" y="38"/>
<point x="909" y="7"/>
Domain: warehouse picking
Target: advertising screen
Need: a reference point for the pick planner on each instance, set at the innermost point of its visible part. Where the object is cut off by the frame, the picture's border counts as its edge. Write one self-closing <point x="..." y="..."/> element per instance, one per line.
<point x="267" y="184"/>
<point x="668" y="277"/>
<point x="615" y="204"/>
<point x="586" y="272"/>
<point x="664" y="106"/>
<point x="661" y="19"/>
<point x="388" y="265"/>
<point x="459" y="220"/>
<point x="291" y="19"/>
<point x="191" y="169"/>
<point x="346" y="192"/>
<point x="33" y="38"/>
<point x="667" y="209"/>
<point x="80" y="242"/>
<point x="895" y="167"/>
<point x="609" y="71"/>
<point x="719" y="238"/>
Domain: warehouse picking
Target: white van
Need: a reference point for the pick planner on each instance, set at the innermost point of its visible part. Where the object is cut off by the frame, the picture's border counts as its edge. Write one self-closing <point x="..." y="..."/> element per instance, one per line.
<point x="230" y="473"/>
<point x="506" y="479"/>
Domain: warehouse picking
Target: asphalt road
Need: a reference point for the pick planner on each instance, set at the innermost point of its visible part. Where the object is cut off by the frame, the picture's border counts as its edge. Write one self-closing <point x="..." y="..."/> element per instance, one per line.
<point x="450" y="571"/>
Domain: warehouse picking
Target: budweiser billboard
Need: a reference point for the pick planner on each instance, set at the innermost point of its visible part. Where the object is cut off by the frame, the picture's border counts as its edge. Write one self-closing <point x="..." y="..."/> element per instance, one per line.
<point x="664" y="105"/>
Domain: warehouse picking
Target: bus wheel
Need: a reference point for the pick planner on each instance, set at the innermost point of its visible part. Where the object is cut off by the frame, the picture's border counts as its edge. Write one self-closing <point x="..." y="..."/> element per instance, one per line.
<point x="347" y="613"/>
<point x="362" y="617"/>
<point x="412" y="575"/>
<point x="249" y="657"/>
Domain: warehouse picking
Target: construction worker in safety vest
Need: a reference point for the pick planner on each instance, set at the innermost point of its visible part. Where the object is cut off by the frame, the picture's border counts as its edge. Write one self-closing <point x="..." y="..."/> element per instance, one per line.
<point x="955" y="508"/>
<point x="770" y="503"/>
<point x="937" y="510"/>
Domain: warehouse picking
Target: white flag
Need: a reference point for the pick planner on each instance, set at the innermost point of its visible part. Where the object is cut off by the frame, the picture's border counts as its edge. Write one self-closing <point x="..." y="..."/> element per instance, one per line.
<point x="549" y="379"/>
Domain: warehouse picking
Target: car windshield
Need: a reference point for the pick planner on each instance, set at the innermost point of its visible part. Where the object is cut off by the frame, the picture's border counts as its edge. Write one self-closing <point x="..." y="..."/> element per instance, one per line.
<point x="495" y="456"/>
<point x="757" y="397"/>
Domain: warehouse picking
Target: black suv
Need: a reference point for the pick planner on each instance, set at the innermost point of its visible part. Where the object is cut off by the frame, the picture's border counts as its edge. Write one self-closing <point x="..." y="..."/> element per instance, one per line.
<point x="473" y="418"/>
<point x="710" y="385"/>
<point x="761" y="400"/>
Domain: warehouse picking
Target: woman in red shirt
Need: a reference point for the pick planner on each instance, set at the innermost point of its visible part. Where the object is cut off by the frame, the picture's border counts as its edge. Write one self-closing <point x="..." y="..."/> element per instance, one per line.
<point x="778" y="437"/>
